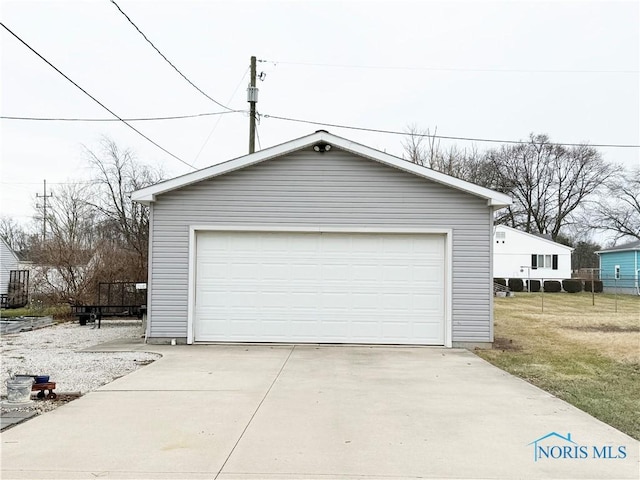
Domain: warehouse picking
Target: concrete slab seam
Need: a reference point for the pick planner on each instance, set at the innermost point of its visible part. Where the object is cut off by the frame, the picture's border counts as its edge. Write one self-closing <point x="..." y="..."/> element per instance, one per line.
<point x="284" y="364"/>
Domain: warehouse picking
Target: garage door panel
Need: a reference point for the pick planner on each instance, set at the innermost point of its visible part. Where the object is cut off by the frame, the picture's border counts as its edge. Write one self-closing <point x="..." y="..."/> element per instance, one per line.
<point x="336" y="300"/>
<point x="397" y="330"/>
<point x="319" y="287"/>
<point x="363" y="272"/>
<point x="425" y="330"/>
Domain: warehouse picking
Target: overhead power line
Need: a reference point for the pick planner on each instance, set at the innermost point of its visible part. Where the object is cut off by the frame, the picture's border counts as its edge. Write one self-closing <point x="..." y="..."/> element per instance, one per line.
<point x="166" y="59"/>
<point x="258" y="138"/>
<point x="94" y="98"/>
<point x="88" y="182"/>
<point x="215" y="126"/>
<point x="445" y="69"/>
<point x="139" y="119"/>
<point x="443" y="137"/>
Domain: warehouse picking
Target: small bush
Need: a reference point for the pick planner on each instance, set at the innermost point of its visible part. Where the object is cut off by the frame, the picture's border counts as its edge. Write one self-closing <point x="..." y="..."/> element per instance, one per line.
<point x="552" y="286"/>
<point x="516" y="284"/>
<point x="501" y="281"/>
<point x="572" y="285"/>
<point x="533" y="285"/>
<point x="597" y="286"/>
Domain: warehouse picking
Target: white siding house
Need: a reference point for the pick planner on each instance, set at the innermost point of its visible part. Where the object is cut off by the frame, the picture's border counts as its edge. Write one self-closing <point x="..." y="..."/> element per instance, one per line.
<point x="320" y="240"/>
<point x="8" y="262"/>
<point x="518" y="254"/>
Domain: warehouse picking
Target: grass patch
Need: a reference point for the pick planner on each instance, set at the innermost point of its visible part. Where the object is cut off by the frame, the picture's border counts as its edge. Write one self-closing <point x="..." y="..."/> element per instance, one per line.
<point x="585" y="354"/>
<point x="60" y="313"/>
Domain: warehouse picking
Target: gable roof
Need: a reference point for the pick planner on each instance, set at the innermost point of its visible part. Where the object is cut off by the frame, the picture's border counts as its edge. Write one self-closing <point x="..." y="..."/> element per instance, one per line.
<point x="627" y="247"/>
<point x="537" y="237"/>
<point x="148" y="195"/>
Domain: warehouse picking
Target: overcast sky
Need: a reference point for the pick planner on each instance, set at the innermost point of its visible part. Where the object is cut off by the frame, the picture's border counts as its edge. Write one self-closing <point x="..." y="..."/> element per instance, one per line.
<point x="496" y="70"/>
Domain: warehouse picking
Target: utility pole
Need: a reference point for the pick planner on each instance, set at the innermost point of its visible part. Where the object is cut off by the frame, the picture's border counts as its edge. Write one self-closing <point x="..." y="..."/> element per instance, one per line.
<point x="44" y="210"/>
<point x="252" y="98"/>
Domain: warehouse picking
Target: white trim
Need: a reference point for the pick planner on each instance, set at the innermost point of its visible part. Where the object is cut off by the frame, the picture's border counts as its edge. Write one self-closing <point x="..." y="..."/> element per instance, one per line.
<point x="448" y="288"/>
<point x="191" y="302"/>
<point x="491" y="318"/>
<point x="148" y="195"/>
<point x="318" y="228"/>
<point x="448" y="260"/>
<point x="147" y="332"/>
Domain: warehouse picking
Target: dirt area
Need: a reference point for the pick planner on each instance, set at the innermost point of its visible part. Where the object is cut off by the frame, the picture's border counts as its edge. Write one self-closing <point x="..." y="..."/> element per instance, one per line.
<point x="606" y="328"/>
<point x="502" y="343"/>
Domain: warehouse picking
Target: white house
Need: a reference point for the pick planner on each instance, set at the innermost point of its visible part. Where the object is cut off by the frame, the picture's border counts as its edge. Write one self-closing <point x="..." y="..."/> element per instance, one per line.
<point x="518" y="254"/>
<point x="8" y="262"/>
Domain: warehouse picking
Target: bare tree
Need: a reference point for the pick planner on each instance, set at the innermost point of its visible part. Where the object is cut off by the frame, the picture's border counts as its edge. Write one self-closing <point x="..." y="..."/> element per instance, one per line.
<point x="71" y="218"/>
<point x="124" y="223"/>
<point x="420" y="146"/>
<point x="423" y="148"/>
<point x="618" y="211"/>
<point x="548" y="182"/>
<point x="14" y="234"/>
<point x="62" y="261"/>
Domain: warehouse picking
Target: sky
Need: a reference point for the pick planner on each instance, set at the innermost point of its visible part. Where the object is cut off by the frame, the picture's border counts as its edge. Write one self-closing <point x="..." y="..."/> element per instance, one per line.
<point x="486" y="70"/>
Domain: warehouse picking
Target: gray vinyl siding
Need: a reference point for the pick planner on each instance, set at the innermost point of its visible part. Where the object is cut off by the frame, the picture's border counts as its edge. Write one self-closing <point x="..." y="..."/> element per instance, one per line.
<point x="332" y="189"/>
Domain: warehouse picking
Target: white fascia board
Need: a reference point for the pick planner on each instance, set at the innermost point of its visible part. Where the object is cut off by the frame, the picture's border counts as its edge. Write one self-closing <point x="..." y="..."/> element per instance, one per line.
<point x="148" y="194"/>
<point x="536" y="237"/>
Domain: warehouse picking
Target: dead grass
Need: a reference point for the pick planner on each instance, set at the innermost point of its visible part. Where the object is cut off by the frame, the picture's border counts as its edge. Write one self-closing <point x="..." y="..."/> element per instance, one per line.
<point x="588" y="355"/>
<point x="615" y="334"/>
<point x="60" y="313"/>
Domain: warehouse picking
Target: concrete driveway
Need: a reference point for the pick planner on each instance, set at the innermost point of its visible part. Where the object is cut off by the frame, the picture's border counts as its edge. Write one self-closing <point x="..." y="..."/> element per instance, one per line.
<point x="315" y="412"/>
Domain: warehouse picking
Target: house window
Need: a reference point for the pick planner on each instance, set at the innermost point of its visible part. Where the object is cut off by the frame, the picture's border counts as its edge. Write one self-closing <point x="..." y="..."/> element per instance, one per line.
<point x="500" y="236"/>
<point x="616" y="272"/>
<point x="544" y="261"/>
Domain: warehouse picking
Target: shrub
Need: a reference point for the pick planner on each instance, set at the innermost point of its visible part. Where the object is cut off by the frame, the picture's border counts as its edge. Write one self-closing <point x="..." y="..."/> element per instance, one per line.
<point x="533" y="285"/>
<point x="501" y="281"/>
<point x="572" y="285"/>
<point x="552" y="286"/>
<point x="597" y="286"/>
<point x="516" y="284"/>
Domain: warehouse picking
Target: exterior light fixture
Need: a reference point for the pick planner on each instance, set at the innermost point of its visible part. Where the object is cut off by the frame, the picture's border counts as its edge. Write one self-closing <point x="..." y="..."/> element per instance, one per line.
<point x="321" y="147"/>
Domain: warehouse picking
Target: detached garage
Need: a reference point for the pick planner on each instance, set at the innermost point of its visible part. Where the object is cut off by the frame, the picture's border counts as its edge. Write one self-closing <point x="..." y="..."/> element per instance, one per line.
<point x="320" y="240"/>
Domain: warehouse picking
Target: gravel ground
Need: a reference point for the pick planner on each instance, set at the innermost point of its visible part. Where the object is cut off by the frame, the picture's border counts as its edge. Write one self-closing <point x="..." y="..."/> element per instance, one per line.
<point x="54" y="351"/>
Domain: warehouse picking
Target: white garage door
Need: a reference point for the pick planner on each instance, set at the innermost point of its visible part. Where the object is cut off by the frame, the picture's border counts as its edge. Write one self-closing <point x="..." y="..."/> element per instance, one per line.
<point x="320" y="287"/>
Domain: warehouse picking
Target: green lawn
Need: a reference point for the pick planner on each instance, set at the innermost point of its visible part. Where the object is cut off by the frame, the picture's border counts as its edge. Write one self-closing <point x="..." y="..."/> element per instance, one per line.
<point x="588" y="355"/>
